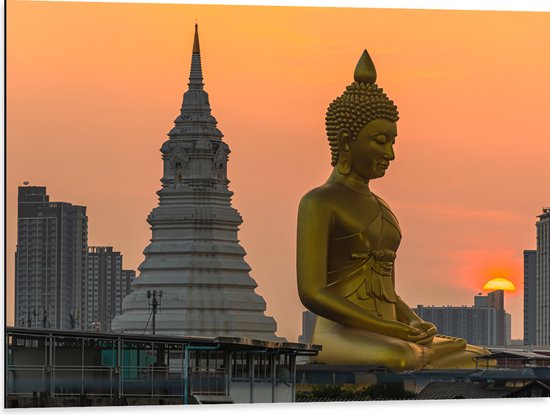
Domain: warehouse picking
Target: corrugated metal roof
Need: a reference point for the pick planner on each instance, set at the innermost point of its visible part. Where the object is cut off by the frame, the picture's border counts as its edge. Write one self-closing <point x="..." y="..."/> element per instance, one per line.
<point x="315" y="367"/>
<point x="506" y="374"/>
<point x="514" y="355"/>
<point x="442" y="372"/>
<point x="459" y="390"/>
<point x="311" y="399"/>
<point x="543" y="385"/>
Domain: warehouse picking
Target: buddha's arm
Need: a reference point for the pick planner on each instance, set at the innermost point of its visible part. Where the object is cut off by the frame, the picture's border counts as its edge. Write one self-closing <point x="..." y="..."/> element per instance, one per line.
<point x="407" y="316"/>
<point x="314" y="222"/>
<point x="405" y="313"/>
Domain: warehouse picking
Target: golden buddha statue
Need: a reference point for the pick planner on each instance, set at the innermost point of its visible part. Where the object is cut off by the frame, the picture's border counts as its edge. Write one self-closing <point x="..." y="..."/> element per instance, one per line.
<point x="347" y="243"/>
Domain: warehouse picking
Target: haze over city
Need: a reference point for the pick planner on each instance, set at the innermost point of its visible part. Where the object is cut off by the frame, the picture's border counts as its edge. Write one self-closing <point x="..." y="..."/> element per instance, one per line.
<point x="94" y="88"/>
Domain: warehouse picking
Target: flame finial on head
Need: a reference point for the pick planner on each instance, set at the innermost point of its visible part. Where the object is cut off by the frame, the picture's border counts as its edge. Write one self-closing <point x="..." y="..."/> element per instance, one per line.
<point x="365" y="72"/>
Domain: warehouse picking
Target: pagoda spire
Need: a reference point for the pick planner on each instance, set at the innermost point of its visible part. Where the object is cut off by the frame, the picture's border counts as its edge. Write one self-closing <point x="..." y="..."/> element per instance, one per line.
<point x="195" y="77"/>
<point x="195" y="121"/>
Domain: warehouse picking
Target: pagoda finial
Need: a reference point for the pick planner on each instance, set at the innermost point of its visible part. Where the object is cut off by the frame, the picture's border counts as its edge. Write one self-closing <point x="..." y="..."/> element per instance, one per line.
<point x="195" y="77"/>
<point x="196" y="46"/>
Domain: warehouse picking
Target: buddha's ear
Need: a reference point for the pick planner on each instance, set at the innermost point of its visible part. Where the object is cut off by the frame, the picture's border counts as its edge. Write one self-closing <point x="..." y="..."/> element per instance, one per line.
<point x="344" y="138"/>
<point x="344" y="151"/>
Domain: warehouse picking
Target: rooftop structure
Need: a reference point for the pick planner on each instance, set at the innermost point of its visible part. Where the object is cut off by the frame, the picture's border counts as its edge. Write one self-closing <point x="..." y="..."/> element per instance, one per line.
<point x="70" y="368"/>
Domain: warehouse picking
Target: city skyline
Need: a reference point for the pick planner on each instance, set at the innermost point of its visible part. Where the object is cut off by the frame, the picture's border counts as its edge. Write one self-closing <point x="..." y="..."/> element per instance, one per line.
<point x="468" y="221"/>
<point x="61" y="281"/>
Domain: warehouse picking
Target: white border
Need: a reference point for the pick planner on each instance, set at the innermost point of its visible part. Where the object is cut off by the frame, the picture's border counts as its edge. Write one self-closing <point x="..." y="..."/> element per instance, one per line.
<point x="525" y="5"/>
<point x="462" y="407"/>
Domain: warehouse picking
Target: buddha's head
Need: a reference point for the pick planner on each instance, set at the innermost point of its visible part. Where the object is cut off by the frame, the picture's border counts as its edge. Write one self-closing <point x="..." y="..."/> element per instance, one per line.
<point x="361" y="125"/>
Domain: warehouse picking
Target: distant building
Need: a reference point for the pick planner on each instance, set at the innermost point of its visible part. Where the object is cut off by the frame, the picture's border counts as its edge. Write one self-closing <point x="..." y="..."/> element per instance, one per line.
<point x="308" y="324"/>
<point x="517" y="342"/>
<point x="484" y="324"/>
<point x="50" y="261"/>
<point x="128" y="275"/>
<point x="543" y="278"/>
<point x="106" y="286"/>
<point x="529" y="296"/>
<point x="508" y="329"/>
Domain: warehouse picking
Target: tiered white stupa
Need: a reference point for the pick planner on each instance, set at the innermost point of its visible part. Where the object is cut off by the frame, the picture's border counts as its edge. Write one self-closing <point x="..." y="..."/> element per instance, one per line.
<point x="195" y="257"/>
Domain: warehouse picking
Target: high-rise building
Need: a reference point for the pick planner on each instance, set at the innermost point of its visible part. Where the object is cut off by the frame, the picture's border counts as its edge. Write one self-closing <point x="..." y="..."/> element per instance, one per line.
<point x="543" y="278"/>
<point x="50" y="261"/>
<point x="484" y="324"/>
<point x="529" y="297"/>
<point x="106" y="286"/>
<point x="195" y="258"/>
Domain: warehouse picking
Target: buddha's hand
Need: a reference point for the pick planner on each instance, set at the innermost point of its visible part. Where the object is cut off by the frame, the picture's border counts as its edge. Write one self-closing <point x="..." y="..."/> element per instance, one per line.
<point x="429" y="328"/>
<point x="409" y="333"/>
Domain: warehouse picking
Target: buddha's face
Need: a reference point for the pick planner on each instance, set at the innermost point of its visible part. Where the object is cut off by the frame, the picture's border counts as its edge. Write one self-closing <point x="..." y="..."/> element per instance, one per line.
<point x="372" y="149"/>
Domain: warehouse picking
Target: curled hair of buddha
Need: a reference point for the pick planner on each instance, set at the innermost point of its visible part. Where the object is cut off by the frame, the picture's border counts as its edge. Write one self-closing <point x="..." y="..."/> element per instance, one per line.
<point x="362" y="102"/>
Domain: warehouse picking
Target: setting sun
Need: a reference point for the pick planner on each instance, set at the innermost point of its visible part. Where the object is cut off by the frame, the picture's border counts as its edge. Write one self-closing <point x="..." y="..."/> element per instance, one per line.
<point x="499" y="284"/>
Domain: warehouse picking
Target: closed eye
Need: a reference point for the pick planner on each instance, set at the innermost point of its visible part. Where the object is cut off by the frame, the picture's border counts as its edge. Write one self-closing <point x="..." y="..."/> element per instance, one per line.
<point x="381" y="139"/>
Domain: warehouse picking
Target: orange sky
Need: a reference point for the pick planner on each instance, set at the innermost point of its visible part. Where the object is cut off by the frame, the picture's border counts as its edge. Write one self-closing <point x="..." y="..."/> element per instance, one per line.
<point x="92" y="90"/>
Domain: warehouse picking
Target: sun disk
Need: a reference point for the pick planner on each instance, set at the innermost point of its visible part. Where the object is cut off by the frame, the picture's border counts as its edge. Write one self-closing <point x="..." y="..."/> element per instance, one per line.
<point x="499" y="284"/>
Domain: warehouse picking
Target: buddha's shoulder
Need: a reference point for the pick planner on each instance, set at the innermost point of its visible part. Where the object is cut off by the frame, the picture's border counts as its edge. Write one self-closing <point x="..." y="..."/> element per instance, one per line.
<point x="382" y="202"/>
<point x="328" y="194"/>
<point x="334" y="194"/>
<point x="386" y="208"/>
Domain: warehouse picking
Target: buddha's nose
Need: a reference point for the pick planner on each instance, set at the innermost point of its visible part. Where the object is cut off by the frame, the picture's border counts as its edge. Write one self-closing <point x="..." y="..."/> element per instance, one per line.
<point x="388" y="152"/>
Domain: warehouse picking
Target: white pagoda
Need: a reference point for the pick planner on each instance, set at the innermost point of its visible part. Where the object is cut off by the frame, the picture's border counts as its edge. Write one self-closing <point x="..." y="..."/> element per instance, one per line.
<point x="194" y="257"/>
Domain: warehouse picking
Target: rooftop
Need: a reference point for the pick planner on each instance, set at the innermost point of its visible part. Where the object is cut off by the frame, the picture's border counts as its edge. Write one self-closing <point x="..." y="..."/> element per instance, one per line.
<point x="458" y="390"/>
<point x="233" y="342"/>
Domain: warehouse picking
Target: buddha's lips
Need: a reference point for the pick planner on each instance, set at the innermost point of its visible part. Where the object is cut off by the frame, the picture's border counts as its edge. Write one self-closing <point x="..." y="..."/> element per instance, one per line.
<point x="383" y="165"/>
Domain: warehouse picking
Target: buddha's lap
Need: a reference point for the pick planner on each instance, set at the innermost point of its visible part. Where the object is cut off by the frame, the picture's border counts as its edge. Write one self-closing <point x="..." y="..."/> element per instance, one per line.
<point x="345" y="345"/>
